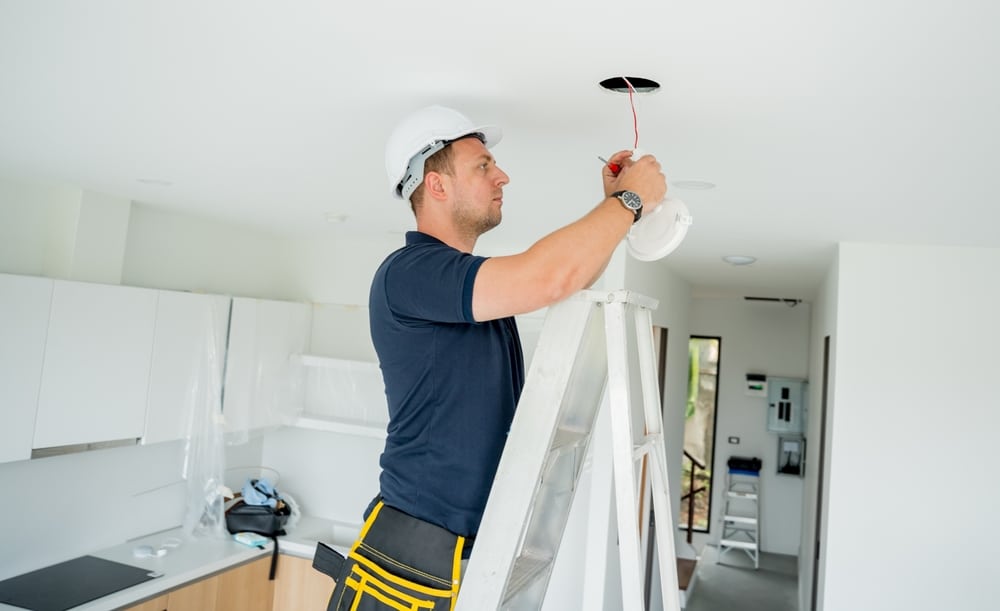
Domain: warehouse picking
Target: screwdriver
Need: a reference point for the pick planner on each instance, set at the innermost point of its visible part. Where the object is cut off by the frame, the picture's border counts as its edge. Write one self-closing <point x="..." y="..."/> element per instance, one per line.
<point x="614" y="167"/>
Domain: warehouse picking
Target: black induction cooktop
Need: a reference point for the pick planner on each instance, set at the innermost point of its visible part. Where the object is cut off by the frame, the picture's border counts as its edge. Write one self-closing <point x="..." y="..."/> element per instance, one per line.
<point x="70" y="584"/>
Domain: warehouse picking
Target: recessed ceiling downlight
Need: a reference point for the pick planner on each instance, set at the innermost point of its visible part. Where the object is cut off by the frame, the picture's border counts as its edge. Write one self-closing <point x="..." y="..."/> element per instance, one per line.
<point x="156" y="182"/>
<point x="618" y="84"/>
<point x="739" y="259"/>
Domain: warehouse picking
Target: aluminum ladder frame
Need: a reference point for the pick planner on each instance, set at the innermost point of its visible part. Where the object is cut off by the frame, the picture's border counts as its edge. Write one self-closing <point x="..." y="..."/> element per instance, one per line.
<point x="741" y="516"/>
<point x="582" y="352"/>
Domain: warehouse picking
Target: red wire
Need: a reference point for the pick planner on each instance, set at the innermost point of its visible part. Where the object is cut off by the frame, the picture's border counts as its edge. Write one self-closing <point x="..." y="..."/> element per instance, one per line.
<point x="635" y="119"/>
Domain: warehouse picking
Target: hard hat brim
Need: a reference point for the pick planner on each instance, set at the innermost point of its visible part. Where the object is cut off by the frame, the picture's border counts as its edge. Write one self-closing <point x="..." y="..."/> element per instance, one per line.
<point x="492" y="134"/>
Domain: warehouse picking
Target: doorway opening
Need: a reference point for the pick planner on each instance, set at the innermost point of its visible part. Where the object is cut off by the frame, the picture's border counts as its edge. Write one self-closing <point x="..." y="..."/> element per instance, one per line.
<point x="699" y="434"/>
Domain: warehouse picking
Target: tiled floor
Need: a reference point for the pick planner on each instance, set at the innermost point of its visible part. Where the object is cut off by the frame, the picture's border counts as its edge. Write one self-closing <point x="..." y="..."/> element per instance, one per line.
<point x="734" y="585"/>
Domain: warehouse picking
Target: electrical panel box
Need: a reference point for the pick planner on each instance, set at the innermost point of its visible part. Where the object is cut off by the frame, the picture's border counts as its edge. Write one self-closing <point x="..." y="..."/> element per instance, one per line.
<point x="792" y="455"/>
<point x="786" y="411"/>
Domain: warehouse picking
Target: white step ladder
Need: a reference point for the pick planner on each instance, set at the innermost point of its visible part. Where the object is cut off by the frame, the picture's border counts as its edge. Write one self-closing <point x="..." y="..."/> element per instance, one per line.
<point x="741" y="515"/>
<point x="583" y="351"/>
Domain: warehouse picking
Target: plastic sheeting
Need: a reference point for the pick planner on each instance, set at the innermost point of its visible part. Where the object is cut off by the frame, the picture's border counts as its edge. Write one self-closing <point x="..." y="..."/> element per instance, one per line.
<point x="345" y="390"/>
<point x="263" y="370"/>
<point x="204" y="456"/>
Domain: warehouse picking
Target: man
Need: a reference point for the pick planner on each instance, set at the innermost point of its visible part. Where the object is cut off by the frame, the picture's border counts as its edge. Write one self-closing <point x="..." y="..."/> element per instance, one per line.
<point x="442" y="324"/>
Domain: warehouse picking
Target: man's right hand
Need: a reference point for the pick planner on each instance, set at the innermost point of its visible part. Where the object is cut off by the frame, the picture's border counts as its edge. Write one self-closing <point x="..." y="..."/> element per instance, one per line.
<point x="643" y="177"/>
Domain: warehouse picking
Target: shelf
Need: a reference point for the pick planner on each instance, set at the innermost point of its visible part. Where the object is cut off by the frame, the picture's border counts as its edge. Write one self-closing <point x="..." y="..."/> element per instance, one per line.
<point x="360" y="429"/>
<point x="313" y="360"/>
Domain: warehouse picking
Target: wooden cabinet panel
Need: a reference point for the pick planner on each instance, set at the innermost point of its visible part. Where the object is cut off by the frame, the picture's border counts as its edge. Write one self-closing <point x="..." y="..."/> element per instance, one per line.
<point x="300" y="587"/>
<point x="157" y="604"/>
<point x="246" y="588"/>
<point x="297" y="587"/>
<point x="24" y="320"/>
<point x="199" y="596"/>
<point x="96" y="370"/>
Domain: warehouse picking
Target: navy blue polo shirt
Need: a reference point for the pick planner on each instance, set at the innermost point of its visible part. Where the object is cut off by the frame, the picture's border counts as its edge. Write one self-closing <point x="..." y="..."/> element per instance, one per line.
<point x="452" y="383"/>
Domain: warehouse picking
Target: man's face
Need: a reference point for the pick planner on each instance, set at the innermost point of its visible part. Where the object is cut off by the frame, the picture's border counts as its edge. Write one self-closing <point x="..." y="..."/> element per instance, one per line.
<point x="477" y="187"/>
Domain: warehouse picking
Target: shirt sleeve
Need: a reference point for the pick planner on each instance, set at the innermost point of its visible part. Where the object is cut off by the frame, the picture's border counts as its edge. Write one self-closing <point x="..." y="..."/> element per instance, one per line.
<point x="432" y="284"/>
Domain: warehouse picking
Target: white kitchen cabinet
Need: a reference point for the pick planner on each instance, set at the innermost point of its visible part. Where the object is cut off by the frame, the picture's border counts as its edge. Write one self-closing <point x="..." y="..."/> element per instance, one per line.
<point x="24" y="320"/>
<point x="189" y="350"/>
<point x="96" y="367"/>
<point x="263" y="385"/>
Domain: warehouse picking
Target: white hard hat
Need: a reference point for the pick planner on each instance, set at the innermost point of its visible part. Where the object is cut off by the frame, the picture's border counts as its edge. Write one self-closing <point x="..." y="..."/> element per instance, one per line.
<point x="419" y="136"/>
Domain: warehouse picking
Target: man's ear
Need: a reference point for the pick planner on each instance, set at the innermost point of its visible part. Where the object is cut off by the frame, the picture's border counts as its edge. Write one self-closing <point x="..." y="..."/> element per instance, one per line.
<point x="434" y="186"/>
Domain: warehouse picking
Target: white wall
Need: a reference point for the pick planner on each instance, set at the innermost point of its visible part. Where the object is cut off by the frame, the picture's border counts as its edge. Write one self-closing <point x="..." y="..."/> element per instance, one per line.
<point x="757" y="337"/>
<point x="186" y="253"/>
<point x="101" y="232"/>
<point x="911" y="492"/>
<point x="64" y="506"/>
<point x="824" y="324"/>
<point x="37" y="227"/>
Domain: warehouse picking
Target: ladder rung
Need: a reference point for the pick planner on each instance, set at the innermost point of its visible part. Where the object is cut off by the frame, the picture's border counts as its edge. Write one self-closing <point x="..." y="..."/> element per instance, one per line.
<point x="639" y="451"/>
<point x="565" y="439"/>
<point x="740" y="519"/>
<point x="739" y="544"/>
<point x="527" y="569"/>
<point x="749" y="496"/>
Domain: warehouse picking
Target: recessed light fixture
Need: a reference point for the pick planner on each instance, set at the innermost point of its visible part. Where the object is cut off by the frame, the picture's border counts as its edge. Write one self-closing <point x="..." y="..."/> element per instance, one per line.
<point x="739" y="259"/>
<point x="336" y="217"/>
<point x="693" y="185"/>
<point x="156" y="182"/>
<point x="619" y="84"/>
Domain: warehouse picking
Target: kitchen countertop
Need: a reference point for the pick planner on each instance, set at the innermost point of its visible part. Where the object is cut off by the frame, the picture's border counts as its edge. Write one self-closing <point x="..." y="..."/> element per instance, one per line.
<point x="196" y="558"/>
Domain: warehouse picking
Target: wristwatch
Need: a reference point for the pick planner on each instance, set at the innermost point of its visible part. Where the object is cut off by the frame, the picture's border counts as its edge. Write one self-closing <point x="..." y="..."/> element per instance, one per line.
<point x="631" y="201"/>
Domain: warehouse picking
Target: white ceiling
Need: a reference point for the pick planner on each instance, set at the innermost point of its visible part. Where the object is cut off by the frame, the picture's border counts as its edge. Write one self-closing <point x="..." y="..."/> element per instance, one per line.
<point x="819" y="122"/>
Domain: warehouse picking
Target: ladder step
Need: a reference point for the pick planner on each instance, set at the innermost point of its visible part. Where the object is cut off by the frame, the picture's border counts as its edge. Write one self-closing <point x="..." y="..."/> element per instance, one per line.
<point x="748" y="496"/>
<point x="527" y="569"/>
<point x="566" y="439"/>
<point x="740" y="519"/>
<point x="738" y="544"/>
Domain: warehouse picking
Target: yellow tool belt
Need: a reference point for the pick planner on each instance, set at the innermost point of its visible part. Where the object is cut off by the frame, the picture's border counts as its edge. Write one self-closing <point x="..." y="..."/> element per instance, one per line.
<point x="400" y="563"/>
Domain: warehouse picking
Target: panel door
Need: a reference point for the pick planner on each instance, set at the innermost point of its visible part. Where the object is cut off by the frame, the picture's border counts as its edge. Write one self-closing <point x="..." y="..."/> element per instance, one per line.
<point x="96" y="368"/>
<point x="24" y="320"/>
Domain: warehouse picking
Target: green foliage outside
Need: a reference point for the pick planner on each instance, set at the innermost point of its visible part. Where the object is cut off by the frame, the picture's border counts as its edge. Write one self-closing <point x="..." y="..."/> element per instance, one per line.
<point x="693" y="377"/>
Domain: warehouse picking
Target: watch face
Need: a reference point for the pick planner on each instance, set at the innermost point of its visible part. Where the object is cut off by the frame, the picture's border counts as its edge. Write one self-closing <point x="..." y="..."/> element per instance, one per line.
<point x="631" y="200"/>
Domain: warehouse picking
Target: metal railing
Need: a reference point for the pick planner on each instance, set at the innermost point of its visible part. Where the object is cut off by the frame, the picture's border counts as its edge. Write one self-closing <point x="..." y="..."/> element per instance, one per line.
<point x="692" y="492"/>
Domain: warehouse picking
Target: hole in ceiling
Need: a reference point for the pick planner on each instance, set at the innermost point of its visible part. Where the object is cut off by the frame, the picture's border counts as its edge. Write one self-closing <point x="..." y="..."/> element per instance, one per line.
<point x="640" y="84"/>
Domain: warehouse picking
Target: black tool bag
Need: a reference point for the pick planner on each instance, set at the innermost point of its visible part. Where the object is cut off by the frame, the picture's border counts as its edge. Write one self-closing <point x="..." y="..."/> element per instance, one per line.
<point x="261" y="519"/>
<point x="742" y="463"/>
<point x="398" y="562"/>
